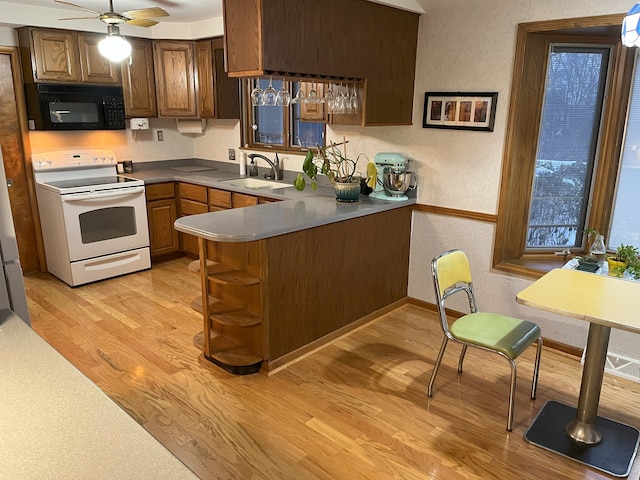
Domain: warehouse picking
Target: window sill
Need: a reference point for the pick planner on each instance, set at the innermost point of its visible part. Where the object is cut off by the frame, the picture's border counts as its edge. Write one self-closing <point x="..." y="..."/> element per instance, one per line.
<point x="532" y="266"/>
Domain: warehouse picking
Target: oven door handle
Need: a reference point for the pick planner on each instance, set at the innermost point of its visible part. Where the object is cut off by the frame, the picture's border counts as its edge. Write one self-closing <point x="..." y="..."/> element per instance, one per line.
<point x="118" y="192"/>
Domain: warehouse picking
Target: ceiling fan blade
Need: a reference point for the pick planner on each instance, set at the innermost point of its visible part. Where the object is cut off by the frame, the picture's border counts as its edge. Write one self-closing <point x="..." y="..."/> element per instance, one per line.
<point x="152" y="12"/>
<point x="141" y="22"/>
<point x="76" y="6"/>
<point x="78" y="18"/>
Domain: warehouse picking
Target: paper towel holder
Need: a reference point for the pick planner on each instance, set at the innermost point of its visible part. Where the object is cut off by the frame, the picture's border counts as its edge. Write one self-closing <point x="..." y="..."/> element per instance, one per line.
<point x="191" y="125"/>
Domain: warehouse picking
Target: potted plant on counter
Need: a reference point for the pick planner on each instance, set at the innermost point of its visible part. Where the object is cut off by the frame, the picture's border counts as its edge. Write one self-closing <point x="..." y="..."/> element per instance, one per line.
<point x="626" y="257"/>
<point x="338" y="168"/>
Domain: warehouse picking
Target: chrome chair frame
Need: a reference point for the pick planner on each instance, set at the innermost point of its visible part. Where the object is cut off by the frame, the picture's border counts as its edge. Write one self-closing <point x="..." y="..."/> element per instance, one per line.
<point x="466" y="285"/>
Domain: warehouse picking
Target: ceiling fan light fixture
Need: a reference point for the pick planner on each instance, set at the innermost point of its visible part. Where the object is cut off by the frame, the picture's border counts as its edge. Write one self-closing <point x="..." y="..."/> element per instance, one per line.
<point x="114" y="46"/>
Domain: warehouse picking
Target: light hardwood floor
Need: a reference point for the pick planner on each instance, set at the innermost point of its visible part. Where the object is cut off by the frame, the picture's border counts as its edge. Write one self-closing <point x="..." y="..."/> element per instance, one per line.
<point x="356" y="409"/>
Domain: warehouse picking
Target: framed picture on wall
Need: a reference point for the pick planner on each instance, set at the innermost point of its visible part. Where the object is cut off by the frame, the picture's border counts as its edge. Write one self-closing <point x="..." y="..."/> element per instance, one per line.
<point x="460" y="111"/>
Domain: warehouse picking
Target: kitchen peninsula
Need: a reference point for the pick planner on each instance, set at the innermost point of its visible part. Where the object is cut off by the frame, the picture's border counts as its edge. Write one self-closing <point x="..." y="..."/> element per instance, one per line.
<point x="284" y="278"/>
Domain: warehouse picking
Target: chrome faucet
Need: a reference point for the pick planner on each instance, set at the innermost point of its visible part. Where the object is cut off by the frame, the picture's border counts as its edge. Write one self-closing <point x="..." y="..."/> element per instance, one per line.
<point x="275" y="165"/>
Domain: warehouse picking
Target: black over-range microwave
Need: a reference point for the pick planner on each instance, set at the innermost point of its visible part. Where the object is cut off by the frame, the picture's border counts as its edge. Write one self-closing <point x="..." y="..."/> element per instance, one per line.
<point x="74" y="107"/>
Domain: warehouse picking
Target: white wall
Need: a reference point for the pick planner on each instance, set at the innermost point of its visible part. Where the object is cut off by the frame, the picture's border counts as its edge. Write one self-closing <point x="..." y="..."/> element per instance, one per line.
<point x="462" y="46"/>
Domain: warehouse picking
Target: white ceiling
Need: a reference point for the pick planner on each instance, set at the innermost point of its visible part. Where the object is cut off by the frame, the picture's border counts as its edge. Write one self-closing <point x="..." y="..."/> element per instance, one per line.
<point x="186" y="11"/>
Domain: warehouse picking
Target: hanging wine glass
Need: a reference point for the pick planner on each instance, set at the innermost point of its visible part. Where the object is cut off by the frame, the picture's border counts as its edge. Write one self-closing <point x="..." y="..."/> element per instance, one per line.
<point x="284" y="97"/>
<point x="339" y="104"/>
<point x="347" y="100"/>
<point x="300" y="96"/>
<point x="312" y="98"/>
<point x="269" y="95"/>
<point x="355" y="104"/>
<point x="257" y="94"/>
<point x="329" y="99"/>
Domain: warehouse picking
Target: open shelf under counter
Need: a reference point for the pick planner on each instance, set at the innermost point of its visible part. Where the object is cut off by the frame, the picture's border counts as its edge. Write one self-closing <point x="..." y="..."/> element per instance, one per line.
<point x="226" y="314"/>
<point x="228" y="354"/>
<point x="224" y="274"/>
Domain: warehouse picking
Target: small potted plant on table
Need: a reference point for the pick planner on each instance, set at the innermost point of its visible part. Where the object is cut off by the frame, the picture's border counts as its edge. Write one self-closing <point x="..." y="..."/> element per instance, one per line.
<point x="339" y="169"/>
<point x="596" y="251"/>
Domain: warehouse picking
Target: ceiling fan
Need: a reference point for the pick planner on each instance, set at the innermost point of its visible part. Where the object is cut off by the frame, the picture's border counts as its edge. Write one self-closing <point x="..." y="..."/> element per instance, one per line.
<point x="115" y="47"/>
<point x="141" y="17"/>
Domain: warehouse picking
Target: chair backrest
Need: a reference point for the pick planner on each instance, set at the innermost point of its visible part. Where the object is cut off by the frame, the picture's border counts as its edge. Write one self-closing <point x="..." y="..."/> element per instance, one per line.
<point x="452" y="274"/>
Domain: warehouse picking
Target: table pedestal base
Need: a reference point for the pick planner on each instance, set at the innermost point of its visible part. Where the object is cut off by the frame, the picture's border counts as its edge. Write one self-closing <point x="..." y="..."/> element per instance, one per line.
<point x="613" y="455"/>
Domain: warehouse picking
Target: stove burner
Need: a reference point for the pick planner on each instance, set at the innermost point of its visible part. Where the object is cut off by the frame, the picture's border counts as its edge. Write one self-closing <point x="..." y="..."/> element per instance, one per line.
<point x="91" y="182"/>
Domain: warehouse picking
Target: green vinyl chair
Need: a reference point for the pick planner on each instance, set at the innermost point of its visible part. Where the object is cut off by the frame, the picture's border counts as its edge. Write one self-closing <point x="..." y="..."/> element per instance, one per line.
<point x="506" y="336"/>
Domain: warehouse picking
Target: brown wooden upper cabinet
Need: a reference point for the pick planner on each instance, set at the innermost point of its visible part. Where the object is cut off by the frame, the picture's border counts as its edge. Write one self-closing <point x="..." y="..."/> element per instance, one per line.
<point x="373" y="43"/>
<point x="64" y="56"/>
<point x="191" y="81"/>
<point x="218" y="94"/>
<point x="138" y="81"/>
<point x="175" y="78"/>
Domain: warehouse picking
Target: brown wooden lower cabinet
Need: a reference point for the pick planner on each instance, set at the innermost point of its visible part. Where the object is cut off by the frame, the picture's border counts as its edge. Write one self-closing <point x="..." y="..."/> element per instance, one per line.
<point x="272" y="300"/>
<point x="167" y="201"/>
<point x="192" y="200"/>
<point x="161" y="215"/>
<point x="240" y="200"/>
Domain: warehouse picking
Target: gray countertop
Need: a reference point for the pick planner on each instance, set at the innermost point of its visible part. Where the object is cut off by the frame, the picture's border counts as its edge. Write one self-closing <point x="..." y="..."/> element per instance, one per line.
<point x="56" y="423"/>
<point x="297" y="210"/>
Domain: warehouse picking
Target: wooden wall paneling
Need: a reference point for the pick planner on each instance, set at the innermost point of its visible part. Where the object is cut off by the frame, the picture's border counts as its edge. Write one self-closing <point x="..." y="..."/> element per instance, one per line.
<point x="346" y="283"/>
<point x="15" y="149"/>
<point x="390" y="94"/>
<point x="284" y="46"/>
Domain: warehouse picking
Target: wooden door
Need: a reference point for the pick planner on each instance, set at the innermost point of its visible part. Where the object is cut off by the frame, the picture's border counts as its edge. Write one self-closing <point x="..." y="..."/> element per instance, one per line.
<point x="206" y="87"/>
<point x="175" y="78"/>
<point x="54" y="55"/>
<point x="163" y="237"/>
<point x="138" y="82"/>
<point x="21" y="193"/>
<point x="227" y="89"/>
<point x="95" y="68"/>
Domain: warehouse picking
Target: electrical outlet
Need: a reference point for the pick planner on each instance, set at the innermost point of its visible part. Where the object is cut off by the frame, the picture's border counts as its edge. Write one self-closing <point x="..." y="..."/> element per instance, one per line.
<point x="232" y="154"/>
<point x="160" y="136"/>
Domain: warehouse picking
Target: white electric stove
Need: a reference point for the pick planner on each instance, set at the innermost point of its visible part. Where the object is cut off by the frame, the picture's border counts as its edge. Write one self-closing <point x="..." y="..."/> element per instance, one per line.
<point x="94" y="221"/>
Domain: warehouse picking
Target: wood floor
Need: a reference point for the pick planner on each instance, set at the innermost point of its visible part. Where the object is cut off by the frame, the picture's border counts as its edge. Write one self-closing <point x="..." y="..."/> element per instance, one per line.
<point x="354" y="410"/>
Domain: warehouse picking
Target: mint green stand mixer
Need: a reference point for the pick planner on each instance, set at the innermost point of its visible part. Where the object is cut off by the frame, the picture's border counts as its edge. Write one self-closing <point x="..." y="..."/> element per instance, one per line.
<point x="394" y="178"/>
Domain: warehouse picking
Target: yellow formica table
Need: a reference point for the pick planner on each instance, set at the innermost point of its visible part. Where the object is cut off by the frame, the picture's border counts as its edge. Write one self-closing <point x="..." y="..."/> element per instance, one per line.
<point x="579" y="433"/>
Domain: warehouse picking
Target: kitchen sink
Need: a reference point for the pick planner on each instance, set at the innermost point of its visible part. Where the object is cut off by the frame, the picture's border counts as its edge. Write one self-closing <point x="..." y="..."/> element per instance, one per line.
<point x="256" y="183"/>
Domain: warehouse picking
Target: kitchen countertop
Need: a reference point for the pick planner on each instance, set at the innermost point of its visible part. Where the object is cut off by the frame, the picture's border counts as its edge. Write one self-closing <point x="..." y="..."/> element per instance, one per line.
<point x="56" y="423"/>
<point x="297" y="210"/>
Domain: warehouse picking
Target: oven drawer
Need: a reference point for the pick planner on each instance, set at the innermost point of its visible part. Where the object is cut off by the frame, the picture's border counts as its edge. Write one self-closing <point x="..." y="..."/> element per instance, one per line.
<point x="189" y="207"/>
